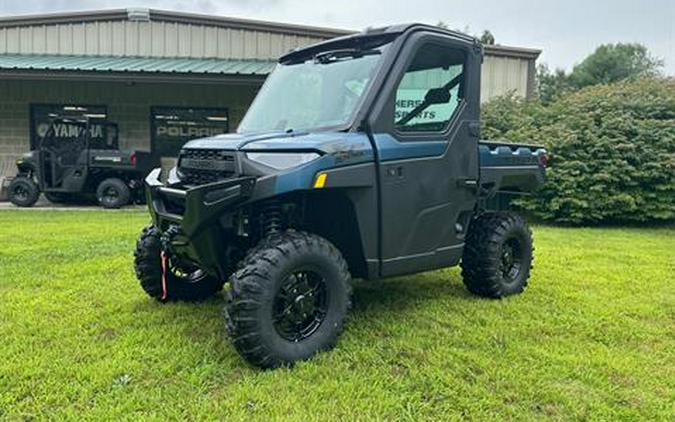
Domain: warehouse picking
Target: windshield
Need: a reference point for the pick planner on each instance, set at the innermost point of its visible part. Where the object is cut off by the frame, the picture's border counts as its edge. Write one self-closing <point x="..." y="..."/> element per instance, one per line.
<point x="321" y="92"/>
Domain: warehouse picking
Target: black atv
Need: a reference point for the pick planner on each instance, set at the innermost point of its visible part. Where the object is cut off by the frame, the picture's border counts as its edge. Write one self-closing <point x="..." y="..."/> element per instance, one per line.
<point x="360" y="157"/>
<point x="85" y="165"/>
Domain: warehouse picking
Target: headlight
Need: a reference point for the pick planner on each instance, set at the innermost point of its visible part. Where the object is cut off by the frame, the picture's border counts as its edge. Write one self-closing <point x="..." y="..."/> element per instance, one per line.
<point x="282" y="160"/>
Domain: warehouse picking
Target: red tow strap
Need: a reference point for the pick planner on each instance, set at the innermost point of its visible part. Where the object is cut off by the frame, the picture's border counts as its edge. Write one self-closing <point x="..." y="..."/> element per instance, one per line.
<point x="163" y="256"/>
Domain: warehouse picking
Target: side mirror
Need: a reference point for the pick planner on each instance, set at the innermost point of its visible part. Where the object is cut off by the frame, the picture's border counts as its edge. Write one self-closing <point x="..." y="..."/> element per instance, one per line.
<point x="437" y="96"/>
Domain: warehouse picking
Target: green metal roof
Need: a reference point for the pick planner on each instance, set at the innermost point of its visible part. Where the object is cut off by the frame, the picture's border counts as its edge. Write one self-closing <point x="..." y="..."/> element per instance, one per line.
<point x="135" y="64"/>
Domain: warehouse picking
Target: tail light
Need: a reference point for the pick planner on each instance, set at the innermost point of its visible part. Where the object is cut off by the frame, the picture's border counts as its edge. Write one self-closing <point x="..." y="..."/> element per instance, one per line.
<point x="543" y="160"/>
<point x="132" y="159"/>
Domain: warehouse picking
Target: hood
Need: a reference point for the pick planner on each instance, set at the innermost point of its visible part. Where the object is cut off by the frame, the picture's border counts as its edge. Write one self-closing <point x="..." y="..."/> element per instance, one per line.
<point x="325" y="142"/>
<point x="231" y="141"/>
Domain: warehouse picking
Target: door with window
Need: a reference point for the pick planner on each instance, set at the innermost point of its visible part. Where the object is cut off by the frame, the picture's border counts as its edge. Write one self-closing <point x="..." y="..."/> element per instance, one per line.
<point x="427" y="136"/>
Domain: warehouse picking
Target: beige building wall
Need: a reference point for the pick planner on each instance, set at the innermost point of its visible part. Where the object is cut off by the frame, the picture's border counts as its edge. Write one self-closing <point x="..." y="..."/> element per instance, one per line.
<point x="505" y="69"/>
<point x="149" y="39"/>
<point x="128" y="105"/>
<point x="504" y="75"/>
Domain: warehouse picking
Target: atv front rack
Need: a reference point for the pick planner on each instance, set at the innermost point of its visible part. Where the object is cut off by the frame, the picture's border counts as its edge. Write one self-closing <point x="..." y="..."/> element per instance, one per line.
<point x="193" y="213"/>
<point x="196" y="207"/>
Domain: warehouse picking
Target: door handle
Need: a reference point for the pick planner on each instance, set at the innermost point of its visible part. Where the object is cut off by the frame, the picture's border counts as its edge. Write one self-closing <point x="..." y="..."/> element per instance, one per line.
<point x="471" y="184"/>
<point x="395" y="171"/>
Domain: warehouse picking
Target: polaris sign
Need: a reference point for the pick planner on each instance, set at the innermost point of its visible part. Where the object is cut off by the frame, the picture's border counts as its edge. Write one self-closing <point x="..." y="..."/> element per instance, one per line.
<point x="187" y="131"/>
<point x="174" y="126"/>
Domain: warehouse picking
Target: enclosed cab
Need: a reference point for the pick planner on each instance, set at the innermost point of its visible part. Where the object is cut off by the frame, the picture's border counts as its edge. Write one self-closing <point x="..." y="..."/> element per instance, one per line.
<point x="360" y="157"/>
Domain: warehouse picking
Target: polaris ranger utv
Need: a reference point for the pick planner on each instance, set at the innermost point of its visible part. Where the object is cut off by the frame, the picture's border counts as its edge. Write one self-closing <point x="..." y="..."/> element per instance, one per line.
<point x="360" y="157"/>
<point x="87" y="162"/>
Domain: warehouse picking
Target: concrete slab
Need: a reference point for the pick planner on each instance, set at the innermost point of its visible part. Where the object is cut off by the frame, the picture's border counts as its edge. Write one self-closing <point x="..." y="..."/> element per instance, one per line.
<point x="44" y="205"/>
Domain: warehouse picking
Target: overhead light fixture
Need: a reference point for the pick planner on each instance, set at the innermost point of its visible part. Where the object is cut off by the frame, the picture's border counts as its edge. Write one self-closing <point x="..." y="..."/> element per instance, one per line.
<point x="138" y="14"/>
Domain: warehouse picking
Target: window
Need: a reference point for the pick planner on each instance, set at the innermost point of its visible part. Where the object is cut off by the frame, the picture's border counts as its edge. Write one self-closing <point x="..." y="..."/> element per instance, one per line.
<point x="321" y="92"/>
<point x="65" y="133"/>
<point x="431" y="89"/>
<point x="174" y="126"/>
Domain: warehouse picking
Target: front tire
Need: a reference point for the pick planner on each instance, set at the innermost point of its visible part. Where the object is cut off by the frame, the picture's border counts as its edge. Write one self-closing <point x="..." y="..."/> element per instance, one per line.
<point x="289" y="300"/>
<point x="113" y="193"/>
<point x="23" y="192"/>
<point x="497" y="255"/>
<point x="190" y="285"/>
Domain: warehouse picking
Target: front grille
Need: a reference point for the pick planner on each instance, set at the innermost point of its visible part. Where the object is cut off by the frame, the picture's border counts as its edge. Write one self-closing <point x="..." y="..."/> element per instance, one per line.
<point x="201" y="166"/>
<point x="207" y="154"/>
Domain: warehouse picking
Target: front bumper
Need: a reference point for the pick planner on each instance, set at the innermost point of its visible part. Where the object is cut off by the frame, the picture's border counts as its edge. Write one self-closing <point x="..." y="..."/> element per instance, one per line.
<point x="196" y="213"/>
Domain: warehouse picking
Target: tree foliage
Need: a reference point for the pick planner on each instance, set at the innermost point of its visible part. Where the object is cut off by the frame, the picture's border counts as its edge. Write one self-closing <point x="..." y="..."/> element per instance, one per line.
<point x="612" y="149"/>
<point x="487" y="38"/>
<point x="551" y="84"/>
<point x="607" y="64"/>
<point x="615" y="62"/>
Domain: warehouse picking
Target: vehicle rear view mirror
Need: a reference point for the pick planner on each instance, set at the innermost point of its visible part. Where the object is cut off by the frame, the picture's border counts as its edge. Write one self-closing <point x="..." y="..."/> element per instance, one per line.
<point x="437" y="96"/>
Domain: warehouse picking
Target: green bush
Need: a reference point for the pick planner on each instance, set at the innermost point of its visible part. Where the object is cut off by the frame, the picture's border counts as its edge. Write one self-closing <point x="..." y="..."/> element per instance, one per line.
<point x="612" y="149"/>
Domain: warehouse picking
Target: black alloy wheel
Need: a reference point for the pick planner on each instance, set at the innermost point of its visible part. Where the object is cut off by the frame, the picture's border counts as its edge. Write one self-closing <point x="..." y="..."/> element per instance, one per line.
<point x="186" y="272"/>
<point x="497" y="255"/>
<point x="110" y="194"/>
<point x="183" y="282"/>
<point x="300" y="305"/>
<point x="512" y="258"/>
<point x="23" y="192"/>
<point x="113" y="193"/>
<point x="288" y="300"/>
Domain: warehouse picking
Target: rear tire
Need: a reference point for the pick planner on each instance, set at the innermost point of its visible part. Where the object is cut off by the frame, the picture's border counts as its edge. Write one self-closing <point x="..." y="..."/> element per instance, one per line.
<point x="23" y="192"/>
<point x="181" y="285"/>
<point x="289" y="300"/>
<point x="113" y="193"/>
<point x="497" y="255"/>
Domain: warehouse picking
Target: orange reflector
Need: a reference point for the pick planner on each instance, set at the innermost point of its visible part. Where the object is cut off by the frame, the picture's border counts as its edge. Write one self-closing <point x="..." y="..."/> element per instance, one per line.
<point x="320" y="181"/>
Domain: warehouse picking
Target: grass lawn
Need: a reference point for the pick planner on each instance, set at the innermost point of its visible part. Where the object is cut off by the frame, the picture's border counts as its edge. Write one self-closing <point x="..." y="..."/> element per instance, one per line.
<point x="592" y="338"/>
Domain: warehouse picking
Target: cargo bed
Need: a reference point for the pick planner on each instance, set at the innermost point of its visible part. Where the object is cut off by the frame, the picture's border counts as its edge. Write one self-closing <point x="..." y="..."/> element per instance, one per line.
<point x="510" y="168"/>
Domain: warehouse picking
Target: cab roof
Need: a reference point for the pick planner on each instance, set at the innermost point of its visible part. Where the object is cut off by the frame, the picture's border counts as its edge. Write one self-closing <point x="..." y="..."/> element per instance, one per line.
<point x="371" y="36"/>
